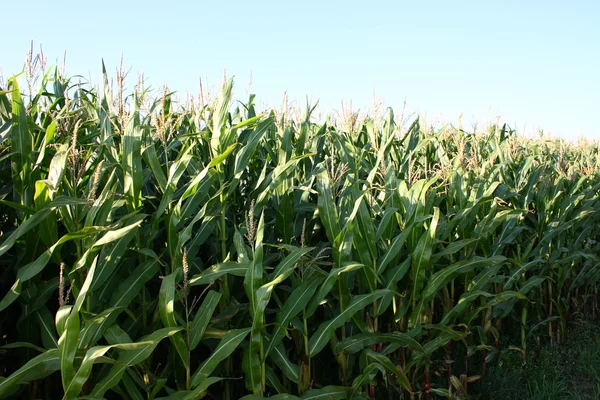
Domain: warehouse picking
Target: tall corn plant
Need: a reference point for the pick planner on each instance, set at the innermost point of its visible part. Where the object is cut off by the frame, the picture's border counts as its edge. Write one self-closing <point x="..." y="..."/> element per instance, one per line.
<point x="159" y="250"/>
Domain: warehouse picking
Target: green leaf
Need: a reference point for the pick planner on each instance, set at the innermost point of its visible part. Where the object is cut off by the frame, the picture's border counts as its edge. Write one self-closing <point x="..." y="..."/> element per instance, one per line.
<point x="22" y="148"/>
<point x="16" y="345"/>
<point x="367" y="228"/>
<point x="276" y="397"/>
<point x="108" y="237"/>
<point x="47" y="329"/>
<point x="292" y="307"/>
<point x="34" y="268"/>
<point x="132" y="387"/>
<point x="327" y="208"/>
<point x="195" y="394"/>
<point x="290" y="261"/>
<point x="56" y="171"/>
<point x="390" y="367"/>
<point x="326" y="287"/>
<point x="394" y="250"/>
<point x="226" y="346"/>
<point x="111" y="254"/>
<point x="149" y="154"/>
<point x="130" y="357"/>
<point x="441" y="278"/>
<point x="76" y="384"/>
<point x="321" y="337"/>
<point x="393" y="276"/>
<point x="67" y="344"/>
<point x="36" y="219"/>
<point x="420" y="262"/>
<point x="327" y="393"/>
<point x="60" y="320"/>
<point x="132" y="158"/>
<point x="166" y="302"/>
<point x="218" y="270"/>
<point x="37" y="368"/>
<point x="219" y="118"/>
<point x="368" y="375"/>
<point x="131" y="286"/>
<point x="243" y="157"/>
<point x="95" y="327"/>
<point x="202" y="317"/>
<point x="356" y="343"/>
<point x="286" y="366"/>
<point x="96" y="352"/>
<point x="253" y="278"/>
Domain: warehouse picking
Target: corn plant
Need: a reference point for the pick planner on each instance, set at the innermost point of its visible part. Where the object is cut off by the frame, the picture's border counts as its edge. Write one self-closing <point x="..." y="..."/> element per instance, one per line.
<point x="152" y="249"/>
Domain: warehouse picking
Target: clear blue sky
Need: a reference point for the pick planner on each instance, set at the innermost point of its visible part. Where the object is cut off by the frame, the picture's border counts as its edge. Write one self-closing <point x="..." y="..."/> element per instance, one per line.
<point x="531" y="62"/>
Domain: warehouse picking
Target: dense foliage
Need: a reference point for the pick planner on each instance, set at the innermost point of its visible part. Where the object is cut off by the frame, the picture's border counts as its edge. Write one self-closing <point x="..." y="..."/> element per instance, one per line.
<point x="209" y="250"/>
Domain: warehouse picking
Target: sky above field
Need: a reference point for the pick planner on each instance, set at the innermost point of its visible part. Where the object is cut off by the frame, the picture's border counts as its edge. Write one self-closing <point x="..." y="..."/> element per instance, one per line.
<point x="536" y="64"/>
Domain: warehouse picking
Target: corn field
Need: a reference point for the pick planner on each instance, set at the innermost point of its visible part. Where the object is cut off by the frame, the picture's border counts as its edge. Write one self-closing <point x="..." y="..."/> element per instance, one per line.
<point x="171" y="252"/>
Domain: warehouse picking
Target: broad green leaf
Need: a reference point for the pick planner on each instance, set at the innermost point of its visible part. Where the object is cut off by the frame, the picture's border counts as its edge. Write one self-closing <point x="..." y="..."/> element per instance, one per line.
<point x="244" y="155"/>
<point x="57" y="168"/>
<point x="226" y="346"/>
<point x="47" y="328"/>
<point x="216" y="271"/>
<point x="131" y="286"/>
<point x="441" y="278"/>
<point x="95" y="327"/>
<point x="166" y="302"/>
<point x="16" y="345"/>
<point x="321" y="337"/>
<point x="195" y="394"/>
<point x="290" y="261"/>
<point x="132" y="158"/>
<point x="22" y="148"/>
<point x="327" y="393"/>
<point x="253" y="278"/>
<point x="130" y="357"/>
<point x="394" y="250"/>
<point x="367" y="376"/>
<point x="327" y="208"/>
<point x="422" y="255"/>
<point x="111" y="253"/>
<point x="292" y="307"/>
<point x="219" y="118"/>
<point x="108" y="237"/>
<point x="393" y="276"/>
<point x="276" y="397"/>
<point x="202" y="317"/>
<point x="37" y="368"/>
<point x="286" y="366"/>
<point x="34" y="268"/>
<point x="60" y="320"/>
<point x="328" y="285"/>
<point x="356" y="343"/>
<point x="67" y="344"/>
<point x="390" y="367"/>
<point x="149" y="154"/>
<point x="36" y="219"/>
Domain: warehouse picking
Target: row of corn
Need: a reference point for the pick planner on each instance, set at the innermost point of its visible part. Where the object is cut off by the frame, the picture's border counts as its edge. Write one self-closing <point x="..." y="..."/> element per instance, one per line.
<point x="154" y="250"/>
